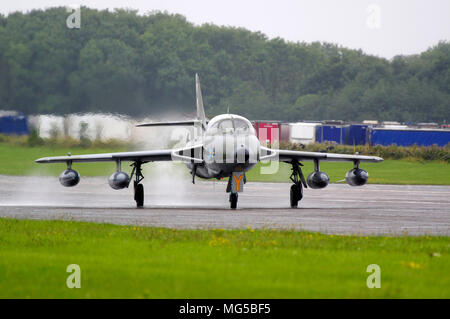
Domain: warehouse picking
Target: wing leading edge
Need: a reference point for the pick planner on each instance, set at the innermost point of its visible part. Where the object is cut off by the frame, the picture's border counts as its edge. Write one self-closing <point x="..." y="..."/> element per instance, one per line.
<point x="143" y="156"/>
<point x="287" y="156"/>
<point x="189" y="153"/>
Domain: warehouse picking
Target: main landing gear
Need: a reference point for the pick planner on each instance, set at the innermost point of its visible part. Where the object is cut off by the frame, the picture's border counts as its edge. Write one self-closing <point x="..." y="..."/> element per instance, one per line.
<point x="138" y="187"/>
<point x="298" y="179"/>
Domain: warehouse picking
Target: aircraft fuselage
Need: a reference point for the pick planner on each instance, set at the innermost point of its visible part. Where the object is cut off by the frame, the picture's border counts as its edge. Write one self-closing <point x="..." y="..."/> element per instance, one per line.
<point x="229" y="145"/>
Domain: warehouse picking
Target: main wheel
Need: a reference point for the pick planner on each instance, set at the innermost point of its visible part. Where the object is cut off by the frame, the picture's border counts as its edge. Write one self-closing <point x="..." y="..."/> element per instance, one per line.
<point x="139" y="195"/>
<point x="296" y="195"/>
<point x="233" y="200"/>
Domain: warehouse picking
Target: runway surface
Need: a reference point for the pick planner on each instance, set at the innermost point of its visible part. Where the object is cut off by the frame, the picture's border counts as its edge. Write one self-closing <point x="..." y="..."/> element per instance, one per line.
<point x="337" y="209"/>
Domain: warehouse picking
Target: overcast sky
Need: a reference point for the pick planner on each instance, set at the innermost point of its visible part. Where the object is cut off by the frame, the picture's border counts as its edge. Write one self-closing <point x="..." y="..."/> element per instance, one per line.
<point x="381" y="27"/>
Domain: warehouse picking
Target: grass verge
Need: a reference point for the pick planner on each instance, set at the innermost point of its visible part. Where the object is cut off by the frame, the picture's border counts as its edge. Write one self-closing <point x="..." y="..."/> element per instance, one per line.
<point x="19" y="160"/>
<point x="143" y="262"/>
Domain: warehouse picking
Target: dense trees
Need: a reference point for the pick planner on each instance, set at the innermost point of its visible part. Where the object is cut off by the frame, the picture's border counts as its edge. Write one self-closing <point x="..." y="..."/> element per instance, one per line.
<point x="122" y="62"/>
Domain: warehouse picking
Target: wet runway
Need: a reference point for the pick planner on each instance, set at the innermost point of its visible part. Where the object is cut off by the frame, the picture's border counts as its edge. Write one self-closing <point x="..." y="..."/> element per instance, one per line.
<point x="337" y="209"/>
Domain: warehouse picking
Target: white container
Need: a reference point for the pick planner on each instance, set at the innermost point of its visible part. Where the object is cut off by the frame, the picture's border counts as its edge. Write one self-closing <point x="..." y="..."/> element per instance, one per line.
<point x="304" y="133"/>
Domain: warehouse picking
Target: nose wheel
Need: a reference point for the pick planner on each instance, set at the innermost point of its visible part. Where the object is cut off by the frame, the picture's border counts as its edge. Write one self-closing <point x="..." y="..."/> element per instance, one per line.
<point x="235" y="184"/>
<point x="233" y="200"/>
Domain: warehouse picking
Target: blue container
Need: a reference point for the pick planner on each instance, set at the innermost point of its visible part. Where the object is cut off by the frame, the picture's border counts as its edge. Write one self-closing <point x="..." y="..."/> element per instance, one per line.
<point x="386" y="137"/>
<point x="14" y="125"/>
<point x="356" y="134"/>
<point x="330" y="133"/>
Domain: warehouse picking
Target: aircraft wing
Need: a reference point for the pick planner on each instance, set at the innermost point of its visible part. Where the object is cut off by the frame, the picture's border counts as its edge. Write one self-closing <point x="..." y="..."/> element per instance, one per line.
<point x="287" y="156"/>
<point x="183" y="154"/>
<point x="143" y="156"/>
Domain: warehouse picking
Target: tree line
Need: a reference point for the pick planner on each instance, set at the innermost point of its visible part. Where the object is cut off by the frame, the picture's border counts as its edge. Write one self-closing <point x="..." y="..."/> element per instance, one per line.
<point x="122" y="62"/>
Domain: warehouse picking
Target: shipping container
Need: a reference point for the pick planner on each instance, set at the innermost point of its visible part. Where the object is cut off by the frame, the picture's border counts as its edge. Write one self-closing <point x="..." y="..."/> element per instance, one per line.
<point x="428" y="125"/>
<point x="330" y="133"/>
<point x="267" y="132"/>
<point x="356" y="134"/>
<point x="101" y="126"/>
<point x="49" y="125"/>
<point x="14" y="125"/>
<point x="303" y="133"/>
<point x="97" y="126"/>
<point x="370" y="122"/>
<point x="408" y="137"/>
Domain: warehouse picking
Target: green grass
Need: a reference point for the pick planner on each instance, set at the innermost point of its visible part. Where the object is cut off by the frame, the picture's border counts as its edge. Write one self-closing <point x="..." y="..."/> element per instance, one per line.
<point x="141" y="262"/>
<point x="19" y="160"/>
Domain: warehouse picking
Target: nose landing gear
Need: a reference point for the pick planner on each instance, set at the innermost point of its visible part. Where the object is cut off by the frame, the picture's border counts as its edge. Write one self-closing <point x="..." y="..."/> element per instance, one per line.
<point x="235" y="185"/>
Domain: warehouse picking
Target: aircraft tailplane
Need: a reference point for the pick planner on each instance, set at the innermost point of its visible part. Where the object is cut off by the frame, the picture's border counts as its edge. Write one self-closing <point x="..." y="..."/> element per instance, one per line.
<point x="173" y="123"/>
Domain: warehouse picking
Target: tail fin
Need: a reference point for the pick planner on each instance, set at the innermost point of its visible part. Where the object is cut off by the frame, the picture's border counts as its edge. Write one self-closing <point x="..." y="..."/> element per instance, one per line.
<point x="200" y="122"/>
<point x="200" y="110"/>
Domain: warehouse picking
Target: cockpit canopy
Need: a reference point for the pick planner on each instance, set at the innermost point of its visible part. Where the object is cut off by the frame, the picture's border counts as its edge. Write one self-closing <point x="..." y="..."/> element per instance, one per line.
<point x="230" y="124"/>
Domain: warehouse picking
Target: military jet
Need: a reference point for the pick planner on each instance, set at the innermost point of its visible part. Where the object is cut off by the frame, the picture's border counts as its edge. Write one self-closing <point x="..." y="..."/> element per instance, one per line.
<point x="224" y="147"/>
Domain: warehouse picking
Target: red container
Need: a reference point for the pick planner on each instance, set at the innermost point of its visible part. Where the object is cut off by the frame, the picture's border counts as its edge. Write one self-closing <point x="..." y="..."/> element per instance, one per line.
<point x="268" y="132"/>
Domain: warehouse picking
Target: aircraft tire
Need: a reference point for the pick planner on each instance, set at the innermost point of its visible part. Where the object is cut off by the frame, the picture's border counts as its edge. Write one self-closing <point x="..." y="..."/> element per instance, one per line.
<point x="296" y="195"/>
<point x="233" y="200"/>
<point x="139" y="195"/>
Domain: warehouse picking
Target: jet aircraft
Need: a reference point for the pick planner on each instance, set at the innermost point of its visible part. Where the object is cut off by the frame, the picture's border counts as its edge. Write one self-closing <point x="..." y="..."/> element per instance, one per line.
<point x="224" y="147"/>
